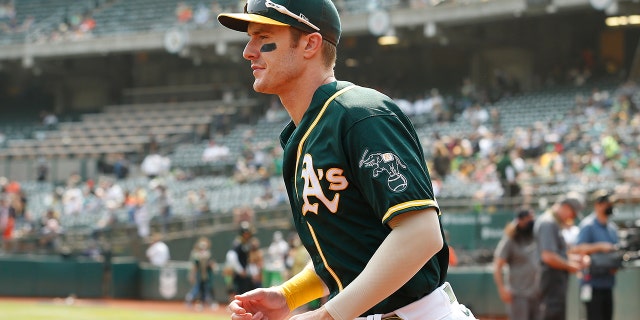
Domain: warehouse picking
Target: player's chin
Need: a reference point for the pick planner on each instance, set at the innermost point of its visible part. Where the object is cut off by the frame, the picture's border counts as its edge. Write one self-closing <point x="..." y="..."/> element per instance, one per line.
<point x="257" y="85"/>
<point x="260" y="86"/>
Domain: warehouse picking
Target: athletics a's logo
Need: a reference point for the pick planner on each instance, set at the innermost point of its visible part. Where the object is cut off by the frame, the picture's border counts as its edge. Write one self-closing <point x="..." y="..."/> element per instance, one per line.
<point x="312" y="187"/>
<point x="389" y="163"/>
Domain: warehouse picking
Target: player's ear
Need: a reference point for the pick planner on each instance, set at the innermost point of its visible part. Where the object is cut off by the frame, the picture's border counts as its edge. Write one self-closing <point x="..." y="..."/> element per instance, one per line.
<point x="313" y="44"/>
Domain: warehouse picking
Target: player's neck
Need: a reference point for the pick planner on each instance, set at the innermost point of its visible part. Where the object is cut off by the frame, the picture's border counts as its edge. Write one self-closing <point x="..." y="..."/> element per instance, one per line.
<point x="297" y="100"/>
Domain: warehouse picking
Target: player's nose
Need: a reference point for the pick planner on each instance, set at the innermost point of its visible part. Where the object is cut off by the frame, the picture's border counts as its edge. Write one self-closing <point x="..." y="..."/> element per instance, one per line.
<point x="251" y="51"/>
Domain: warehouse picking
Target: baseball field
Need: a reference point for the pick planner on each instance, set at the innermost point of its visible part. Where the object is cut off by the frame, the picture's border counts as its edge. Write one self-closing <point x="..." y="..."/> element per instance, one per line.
<point x="80" y="309"/>
<point x="76" y="309"/>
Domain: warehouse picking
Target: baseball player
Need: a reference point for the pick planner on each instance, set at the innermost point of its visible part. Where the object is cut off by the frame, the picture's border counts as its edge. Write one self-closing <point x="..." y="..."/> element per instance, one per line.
<point x="356" y="178"/>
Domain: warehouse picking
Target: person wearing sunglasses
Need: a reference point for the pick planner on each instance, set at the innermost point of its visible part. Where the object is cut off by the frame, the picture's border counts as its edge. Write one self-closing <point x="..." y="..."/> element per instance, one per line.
<point x="358" y="184"/>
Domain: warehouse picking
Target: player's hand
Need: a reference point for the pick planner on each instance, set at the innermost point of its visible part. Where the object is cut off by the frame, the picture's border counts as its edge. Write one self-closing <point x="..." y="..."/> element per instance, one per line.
<point x="318" y="314"/>
<point x="505" y="295"/>
<point x="259" y="304"/>
<point x="574" y="266"/>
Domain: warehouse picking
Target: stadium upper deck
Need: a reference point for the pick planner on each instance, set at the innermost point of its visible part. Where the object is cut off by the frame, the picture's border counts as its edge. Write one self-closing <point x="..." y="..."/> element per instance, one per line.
<point x="45" y="28"/>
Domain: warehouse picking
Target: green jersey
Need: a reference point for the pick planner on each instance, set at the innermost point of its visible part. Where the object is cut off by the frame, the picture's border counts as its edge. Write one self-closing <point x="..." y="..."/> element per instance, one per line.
<point x="352" y="164"/>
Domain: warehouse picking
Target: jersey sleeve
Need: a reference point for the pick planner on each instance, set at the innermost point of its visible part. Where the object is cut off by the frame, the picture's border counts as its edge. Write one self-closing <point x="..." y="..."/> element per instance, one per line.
<point x="388" y="165"/>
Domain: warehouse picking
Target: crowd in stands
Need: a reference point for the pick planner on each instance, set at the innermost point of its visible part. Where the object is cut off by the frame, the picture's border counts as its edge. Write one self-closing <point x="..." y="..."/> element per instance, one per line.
<point x="602" y="146"/>
<point x="73" y="25"/>
<point x="597" y="141"/>
<point x="10" y="22"/>
<point x="111" y="199"/>
<point x="200" y="14"/>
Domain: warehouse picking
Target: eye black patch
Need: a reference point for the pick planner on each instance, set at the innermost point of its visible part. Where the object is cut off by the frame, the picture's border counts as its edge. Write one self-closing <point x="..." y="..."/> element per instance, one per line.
<point x="268" y="47"/>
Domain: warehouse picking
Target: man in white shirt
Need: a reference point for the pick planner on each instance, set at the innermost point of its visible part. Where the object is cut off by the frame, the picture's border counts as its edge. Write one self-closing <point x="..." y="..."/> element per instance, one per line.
<point x="158" y="251"/>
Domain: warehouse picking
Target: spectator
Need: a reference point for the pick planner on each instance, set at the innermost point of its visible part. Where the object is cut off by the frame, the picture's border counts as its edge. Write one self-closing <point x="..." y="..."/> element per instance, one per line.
<point x="441" y="160"/>
<point x="201" y="275"/>
<point x="553" y="254"/>
<point x="154" y="165"/>
<point x="121" y="167"/>
<point x="243" y="215"/>
<point x="599" y="236"/>
<point x="14" y="26"/>
<point x="201" y="14"/>
<point x="50" y="232"/>
<point x="215" y="152"/>
<point x="438" y="107"/>
<point x="508" y="174"/>
<point x="476" y="115"/>
<point x="107" y="220"/>
<point x="4" y="212"/>
<point x="274" y="270"/>
<point x="238" y="260"/>
<point x="131" y="203"/>
<point x="7" y="9"/>
<point x="88" y="24"/>
<point x="163" y="206"/>
<point x="158" y="252"/>
<point x="184" y="12"/>
<point x="49" y="120"/>
<point x="42" y="169"/>
<point x="12" y="187"/>
<point x="141" y="215"/>
<point x="202" y="202"/>
<point x="256" y="262"/>
<point x="8" y="227"/>
<point x="517" y="250"/>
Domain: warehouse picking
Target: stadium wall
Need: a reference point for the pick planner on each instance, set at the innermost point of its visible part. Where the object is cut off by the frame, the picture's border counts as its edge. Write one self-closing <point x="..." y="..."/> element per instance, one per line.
<point x="58" y="278"/>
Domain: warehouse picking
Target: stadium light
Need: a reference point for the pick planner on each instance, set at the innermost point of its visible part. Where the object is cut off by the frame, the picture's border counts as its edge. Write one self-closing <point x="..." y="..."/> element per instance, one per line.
<point x="389" y="38"/>
<point x="622" y="21"/>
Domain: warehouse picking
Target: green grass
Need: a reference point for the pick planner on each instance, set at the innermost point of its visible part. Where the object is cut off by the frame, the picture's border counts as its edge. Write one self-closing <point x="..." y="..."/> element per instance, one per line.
<point x="58" y="311"/>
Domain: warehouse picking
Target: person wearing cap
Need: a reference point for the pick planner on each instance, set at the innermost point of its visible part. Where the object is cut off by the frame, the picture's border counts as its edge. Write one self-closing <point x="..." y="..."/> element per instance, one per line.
<point x="598" y="235"/>
<point x="237" y="258"/>
<point x="517" y="250"/>
<point x="553" y="254"/>
<point x="359" y="188"/>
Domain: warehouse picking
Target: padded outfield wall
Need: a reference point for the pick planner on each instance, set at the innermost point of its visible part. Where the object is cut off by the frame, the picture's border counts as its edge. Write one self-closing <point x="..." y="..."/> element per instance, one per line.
<point x="31" y="276"/>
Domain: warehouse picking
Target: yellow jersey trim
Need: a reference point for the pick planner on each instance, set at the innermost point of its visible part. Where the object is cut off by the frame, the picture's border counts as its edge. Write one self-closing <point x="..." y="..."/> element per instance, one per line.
<point x="311" y="127"/>
<point x="324" y="261"/>
<point x="409" y="204"/>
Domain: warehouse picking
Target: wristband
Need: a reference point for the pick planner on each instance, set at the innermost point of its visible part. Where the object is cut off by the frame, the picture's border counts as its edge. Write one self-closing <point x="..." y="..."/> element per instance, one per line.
<point x="303" y="288"/>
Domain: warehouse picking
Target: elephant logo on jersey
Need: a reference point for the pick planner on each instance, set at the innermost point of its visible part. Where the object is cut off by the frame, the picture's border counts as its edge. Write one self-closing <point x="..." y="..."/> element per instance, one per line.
<point x="313" y="188"/>
<point x="389" y="163"/>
